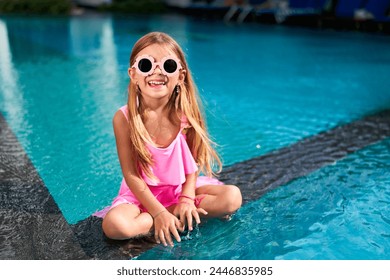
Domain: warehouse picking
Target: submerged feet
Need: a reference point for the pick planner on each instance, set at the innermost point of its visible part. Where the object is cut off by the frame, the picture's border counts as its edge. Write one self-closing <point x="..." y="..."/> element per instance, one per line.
<point x="227" y="217"/>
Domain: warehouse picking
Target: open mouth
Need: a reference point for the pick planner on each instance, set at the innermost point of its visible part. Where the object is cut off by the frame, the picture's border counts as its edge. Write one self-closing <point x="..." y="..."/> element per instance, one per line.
<point x="157" y="83"/>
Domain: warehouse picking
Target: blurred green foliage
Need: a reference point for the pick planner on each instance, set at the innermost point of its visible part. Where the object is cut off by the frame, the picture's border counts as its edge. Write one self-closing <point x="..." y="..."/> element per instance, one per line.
<point x="61" y="7"/>
<point x="49" y="7"/>
<point x="135" y="6"/>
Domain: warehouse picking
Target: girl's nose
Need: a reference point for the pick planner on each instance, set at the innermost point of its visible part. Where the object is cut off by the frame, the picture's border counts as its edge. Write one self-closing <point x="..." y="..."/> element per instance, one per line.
<point x="157" y="70"/>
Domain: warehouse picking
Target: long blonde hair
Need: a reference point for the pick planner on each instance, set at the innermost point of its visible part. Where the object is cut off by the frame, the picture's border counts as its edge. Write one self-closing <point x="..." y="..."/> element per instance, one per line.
<point x="186" y="102"/>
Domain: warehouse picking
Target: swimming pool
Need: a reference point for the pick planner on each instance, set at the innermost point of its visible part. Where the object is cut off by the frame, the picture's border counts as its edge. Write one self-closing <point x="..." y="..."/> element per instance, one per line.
<point x="265" y="87"/>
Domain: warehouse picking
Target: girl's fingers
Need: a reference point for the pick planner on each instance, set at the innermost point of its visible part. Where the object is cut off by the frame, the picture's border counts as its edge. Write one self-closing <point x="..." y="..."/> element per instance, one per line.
<point x="168" y="238"/>
<point x="187" y="216"/>
<point x="183" y="219"/>
<point x="179" y="224"/>
<point x="196" y="216"/>
<point x="201" y="211"/>
<point x="189" y="220"/>
<point x="156" y="237"/>
<point x="162" y="238"/>
<point x="175" y="234"/>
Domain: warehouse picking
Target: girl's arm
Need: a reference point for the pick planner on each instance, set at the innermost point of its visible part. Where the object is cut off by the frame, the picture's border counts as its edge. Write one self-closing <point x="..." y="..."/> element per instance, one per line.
<point x="188" y="188"/>
<point x="164" y="222"/>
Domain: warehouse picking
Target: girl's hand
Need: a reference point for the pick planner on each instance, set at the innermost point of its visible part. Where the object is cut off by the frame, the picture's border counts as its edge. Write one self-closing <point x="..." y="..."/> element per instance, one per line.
<point x="186" y="211"/>
<point x="165" y="225"/>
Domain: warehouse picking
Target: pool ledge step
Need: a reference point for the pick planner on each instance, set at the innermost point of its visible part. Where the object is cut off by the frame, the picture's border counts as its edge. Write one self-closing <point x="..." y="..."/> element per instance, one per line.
<point x="31" y="224"/>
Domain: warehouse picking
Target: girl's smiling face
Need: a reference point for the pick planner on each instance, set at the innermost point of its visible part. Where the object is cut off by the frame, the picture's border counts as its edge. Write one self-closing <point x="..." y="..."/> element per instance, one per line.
<point x="156" y="85"/>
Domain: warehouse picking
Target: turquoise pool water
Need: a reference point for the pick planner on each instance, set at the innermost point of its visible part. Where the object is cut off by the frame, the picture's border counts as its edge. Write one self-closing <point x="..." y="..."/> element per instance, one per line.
<point x="339" y="212"/>
<point x="265" y="87"/>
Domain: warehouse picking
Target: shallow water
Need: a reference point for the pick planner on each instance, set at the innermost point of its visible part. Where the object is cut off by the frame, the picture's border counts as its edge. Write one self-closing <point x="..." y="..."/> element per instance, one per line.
<point x="264" y="87"/>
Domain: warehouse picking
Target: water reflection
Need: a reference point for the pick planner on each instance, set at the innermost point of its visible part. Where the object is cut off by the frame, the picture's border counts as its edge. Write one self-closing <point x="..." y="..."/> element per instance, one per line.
<point x="12" y="102"/>
<point x="72" y="86"/>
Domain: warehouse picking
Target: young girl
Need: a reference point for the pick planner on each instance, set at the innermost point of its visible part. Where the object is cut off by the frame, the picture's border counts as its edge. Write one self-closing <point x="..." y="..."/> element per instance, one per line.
<point x="163" y="145"/>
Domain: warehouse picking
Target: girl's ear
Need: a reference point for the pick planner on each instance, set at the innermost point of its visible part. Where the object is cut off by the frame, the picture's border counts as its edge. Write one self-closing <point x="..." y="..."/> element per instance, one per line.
<point x="182" y="75"/>
<point x="132" y="73"/>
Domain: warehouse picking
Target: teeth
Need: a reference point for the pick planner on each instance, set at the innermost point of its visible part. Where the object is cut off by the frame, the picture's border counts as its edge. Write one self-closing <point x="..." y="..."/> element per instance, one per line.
<point x="157" y="83"/>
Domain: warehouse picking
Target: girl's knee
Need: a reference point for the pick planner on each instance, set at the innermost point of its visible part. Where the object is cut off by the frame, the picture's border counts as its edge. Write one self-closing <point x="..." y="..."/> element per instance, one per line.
<point x="233" y="198"/>
<point x="116" y="228"/>
<point x="126" y="221"/>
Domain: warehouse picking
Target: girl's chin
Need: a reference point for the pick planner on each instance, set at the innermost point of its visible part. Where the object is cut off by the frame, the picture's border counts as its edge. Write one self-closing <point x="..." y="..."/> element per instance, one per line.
<point x="156" y="93"/>
<point x="157" y="87"/>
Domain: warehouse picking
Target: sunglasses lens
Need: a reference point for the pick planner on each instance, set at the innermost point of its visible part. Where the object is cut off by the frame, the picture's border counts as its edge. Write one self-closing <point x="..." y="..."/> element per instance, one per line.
<point x="145" y="65"/>
<point x="170" y="66"/>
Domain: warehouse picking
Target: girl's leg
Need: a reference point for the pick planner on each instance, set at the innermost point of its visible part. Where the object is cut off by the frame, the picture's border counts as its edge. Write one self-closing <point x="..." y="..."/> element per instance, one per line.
<point x="126" y="221"/>
<point x="219" y="200"/>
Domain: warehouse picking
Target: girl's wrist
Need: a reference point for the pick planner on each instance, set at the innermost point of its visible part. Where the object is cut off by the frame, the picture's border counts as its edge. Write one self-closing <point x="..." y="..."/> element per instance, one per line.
<point x="186" y="198"/>
<point x="185" y="202"/>
<point x="158" y="213"/>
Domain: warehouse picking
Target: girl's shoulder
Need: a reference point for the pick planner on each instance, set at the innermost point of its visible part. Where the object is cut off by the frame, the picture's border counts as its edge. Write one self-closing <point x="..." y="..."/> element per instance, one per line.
<point x="121" y="118"/>
<point x="125" y="111"/>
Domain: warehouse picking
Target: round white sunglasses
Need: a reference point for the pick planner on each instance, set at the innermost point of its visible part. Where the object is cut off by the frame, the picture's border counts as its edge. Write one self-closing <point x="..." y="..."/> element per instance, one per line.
<point x="145" y="65"/>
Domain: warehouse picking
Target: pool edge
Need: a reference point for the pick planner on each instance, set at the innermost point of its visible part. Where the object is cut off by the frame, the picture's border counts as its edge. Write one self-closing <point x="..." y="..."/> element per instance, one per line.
<point x="32" y="225"/>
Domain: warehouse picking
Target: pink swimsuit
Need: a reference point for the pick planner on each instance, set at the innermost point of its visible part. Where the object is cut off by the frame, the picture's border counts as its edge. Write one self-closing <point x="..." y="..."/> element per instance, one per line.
<point x="171" y="165"/>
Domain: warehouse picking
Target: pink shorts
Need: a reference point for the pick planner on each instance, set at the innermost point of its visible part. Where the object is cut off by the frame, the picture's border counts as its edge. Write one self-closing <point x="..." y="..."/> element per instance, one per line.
<point x="166" y="195"/>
